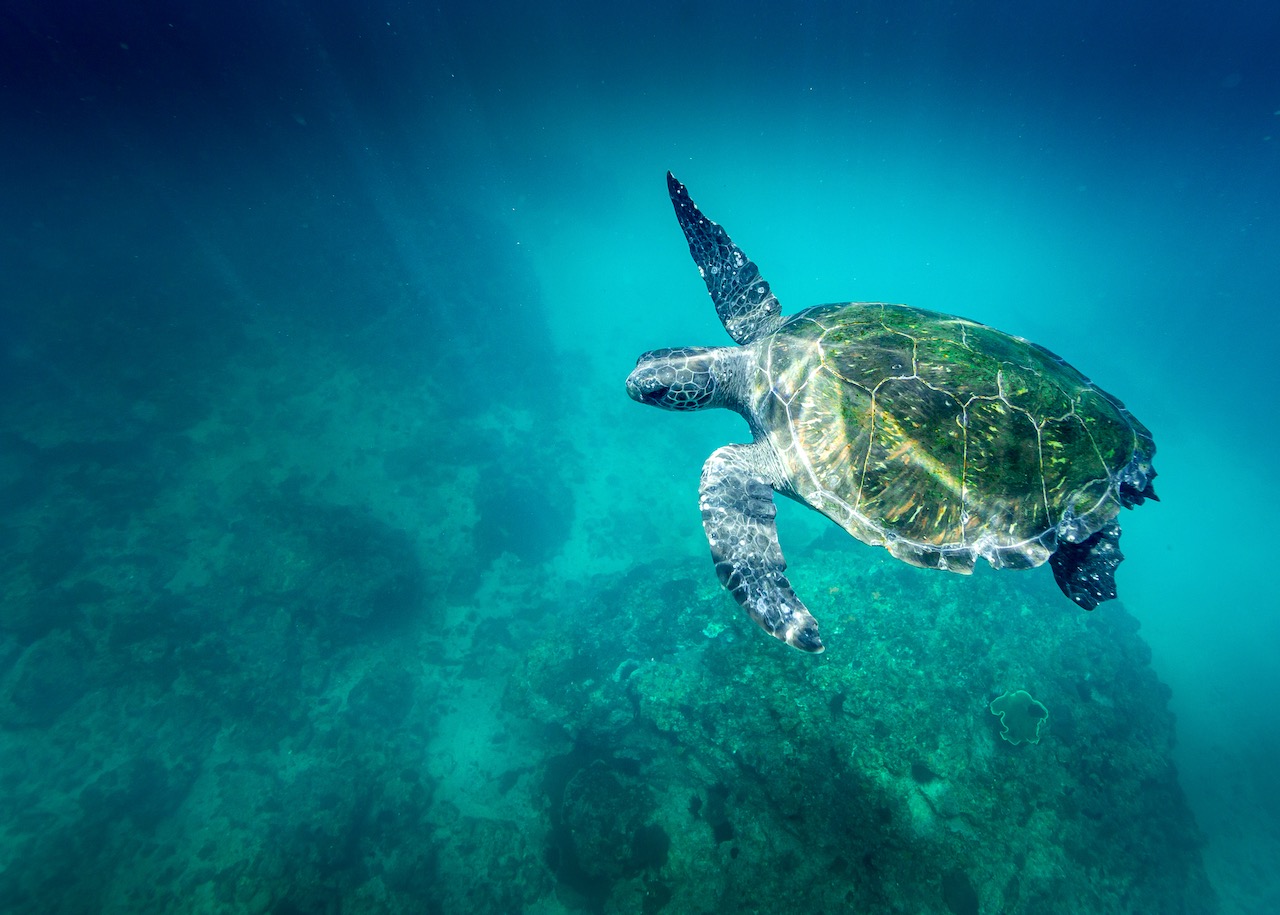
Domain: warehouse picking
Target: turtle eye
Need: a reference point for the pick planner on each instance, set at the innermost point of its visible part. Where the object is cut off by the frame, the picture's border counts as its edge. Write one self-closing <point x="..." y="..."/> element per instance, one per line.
<point x="657" y="395"/>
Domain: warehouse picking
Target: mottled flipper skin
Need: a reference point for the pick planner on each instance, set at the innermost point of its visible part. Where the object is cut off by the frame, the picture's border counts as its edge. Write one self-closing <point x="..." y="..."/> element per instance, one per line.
<point x="738" y="516"/>
<point x="743" y="300"/>
<point x="1086" y="571"/>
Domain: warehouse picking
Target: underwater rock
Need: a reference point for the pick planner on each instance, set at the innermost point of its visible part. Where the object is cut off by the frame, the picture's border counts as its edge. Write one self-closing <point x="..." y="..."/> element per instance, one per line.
<point x="144" y="790"/>
<point x="869" y="778"/>
<point x="382" y="698"/>
<point x="602" y="811"/>
<point x="230" y="633"/>
<point x="603" y="842"/>
<point x="46" y="680"/>
<point x="347" y="572"/>
<point x="958" y="893"/>
<point x="522" y="513"/>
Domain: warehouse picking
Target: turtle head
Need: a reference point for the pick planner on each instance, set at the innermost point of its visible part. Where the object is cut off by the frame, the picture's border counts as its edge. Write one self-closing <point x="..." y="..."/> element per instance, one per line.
<point x="685" y="378"/>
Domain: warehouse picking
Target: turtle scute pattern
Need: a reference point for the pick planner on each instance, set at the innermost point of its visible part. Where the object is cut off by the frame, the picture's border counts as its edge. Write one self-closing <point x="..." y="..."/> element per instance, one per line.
<point x="941" y="438"/>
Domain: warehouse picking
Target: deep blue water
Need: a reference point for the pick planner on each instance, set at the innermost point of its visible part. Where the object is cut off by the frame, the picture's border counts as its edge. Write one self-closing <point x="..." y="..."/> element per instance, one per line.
<point x="361" y="282"/>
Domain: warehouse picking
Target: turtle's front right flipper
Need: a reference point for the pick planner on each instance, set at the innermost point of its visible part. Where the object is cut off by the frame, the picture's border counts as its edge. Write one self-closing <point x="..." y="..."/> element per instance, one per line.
<point x="738" y="516"/>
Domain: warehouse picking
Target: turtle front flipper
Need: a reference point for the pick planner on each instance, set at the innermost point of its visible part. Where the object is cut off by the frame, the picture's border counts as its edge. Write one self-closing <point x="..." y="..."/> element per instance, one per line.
<point x="744" y="303"/>
<point x="1086" y="571"/>
<point x="738" y="516"/>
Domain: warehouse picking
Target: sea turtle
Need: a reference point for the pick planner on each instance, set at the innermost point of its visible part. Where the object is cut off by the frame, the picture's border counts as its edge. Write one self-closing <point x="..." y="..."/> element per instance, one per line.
<point x="936" y="437"/>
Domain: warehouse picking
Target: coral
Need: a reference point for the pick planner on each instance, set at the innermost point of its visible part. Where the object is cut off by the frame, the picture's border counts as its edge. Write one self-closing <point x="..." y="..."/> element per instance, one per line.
<point x="1020" y="717"/>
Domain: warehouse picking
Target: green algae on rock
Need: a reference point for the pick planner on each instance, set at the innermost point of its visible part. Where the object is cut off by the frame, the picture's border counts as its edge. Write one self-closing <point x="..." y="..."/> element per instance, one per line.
<point x="1020" y="717"/>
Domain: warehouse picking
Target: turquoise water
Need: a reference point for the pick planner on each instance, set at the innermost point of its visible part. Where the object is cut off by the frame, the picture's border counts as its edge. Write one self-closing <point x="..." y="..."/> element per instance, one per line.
<point x="340" y="574"/>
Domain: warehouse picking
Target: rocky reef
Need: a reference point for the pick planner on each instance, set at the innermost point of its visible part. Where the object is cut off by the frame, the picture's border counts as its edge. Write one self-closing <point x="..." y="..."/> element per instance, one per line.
<point x="737" y="776"/>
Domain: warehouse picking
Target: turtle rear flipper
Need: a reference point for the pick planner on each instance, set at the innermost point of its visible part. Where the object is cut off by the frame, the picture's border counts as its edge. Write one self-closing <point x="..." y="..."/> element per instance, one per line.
<point x="736" y="497"/>
<point x="1086" y="571"/>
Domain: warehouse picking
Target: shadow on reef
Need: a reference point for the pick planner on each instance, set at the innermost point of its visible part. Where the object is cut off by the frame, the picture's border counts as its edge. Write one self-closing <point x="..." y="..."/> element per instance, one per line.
<point x="524" y="511"/>
<point x="601" y="830"/>
<point x="344" y="572"/>
<point x="872" y="778"/>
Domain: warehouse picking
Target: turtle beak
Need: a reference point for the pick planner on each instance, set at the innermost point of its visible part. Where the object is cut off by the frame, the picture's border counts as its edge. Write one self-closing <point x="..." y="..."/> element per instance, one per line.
<point x="643" y="387"/>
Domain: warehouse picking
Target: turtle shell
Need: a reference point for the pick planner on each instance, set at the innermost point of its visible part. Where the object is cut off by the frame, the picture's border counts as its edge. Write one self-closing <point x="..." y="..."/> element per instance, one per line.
<point x="941" y="438"/>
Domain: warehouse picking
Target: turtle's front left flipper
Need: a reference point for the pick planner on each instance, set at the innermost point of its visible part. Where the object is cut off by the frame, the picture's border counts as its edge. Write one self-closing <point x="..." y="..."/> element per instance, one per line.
<point x="744" y="303"/>
<point x="738" y="516"/>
